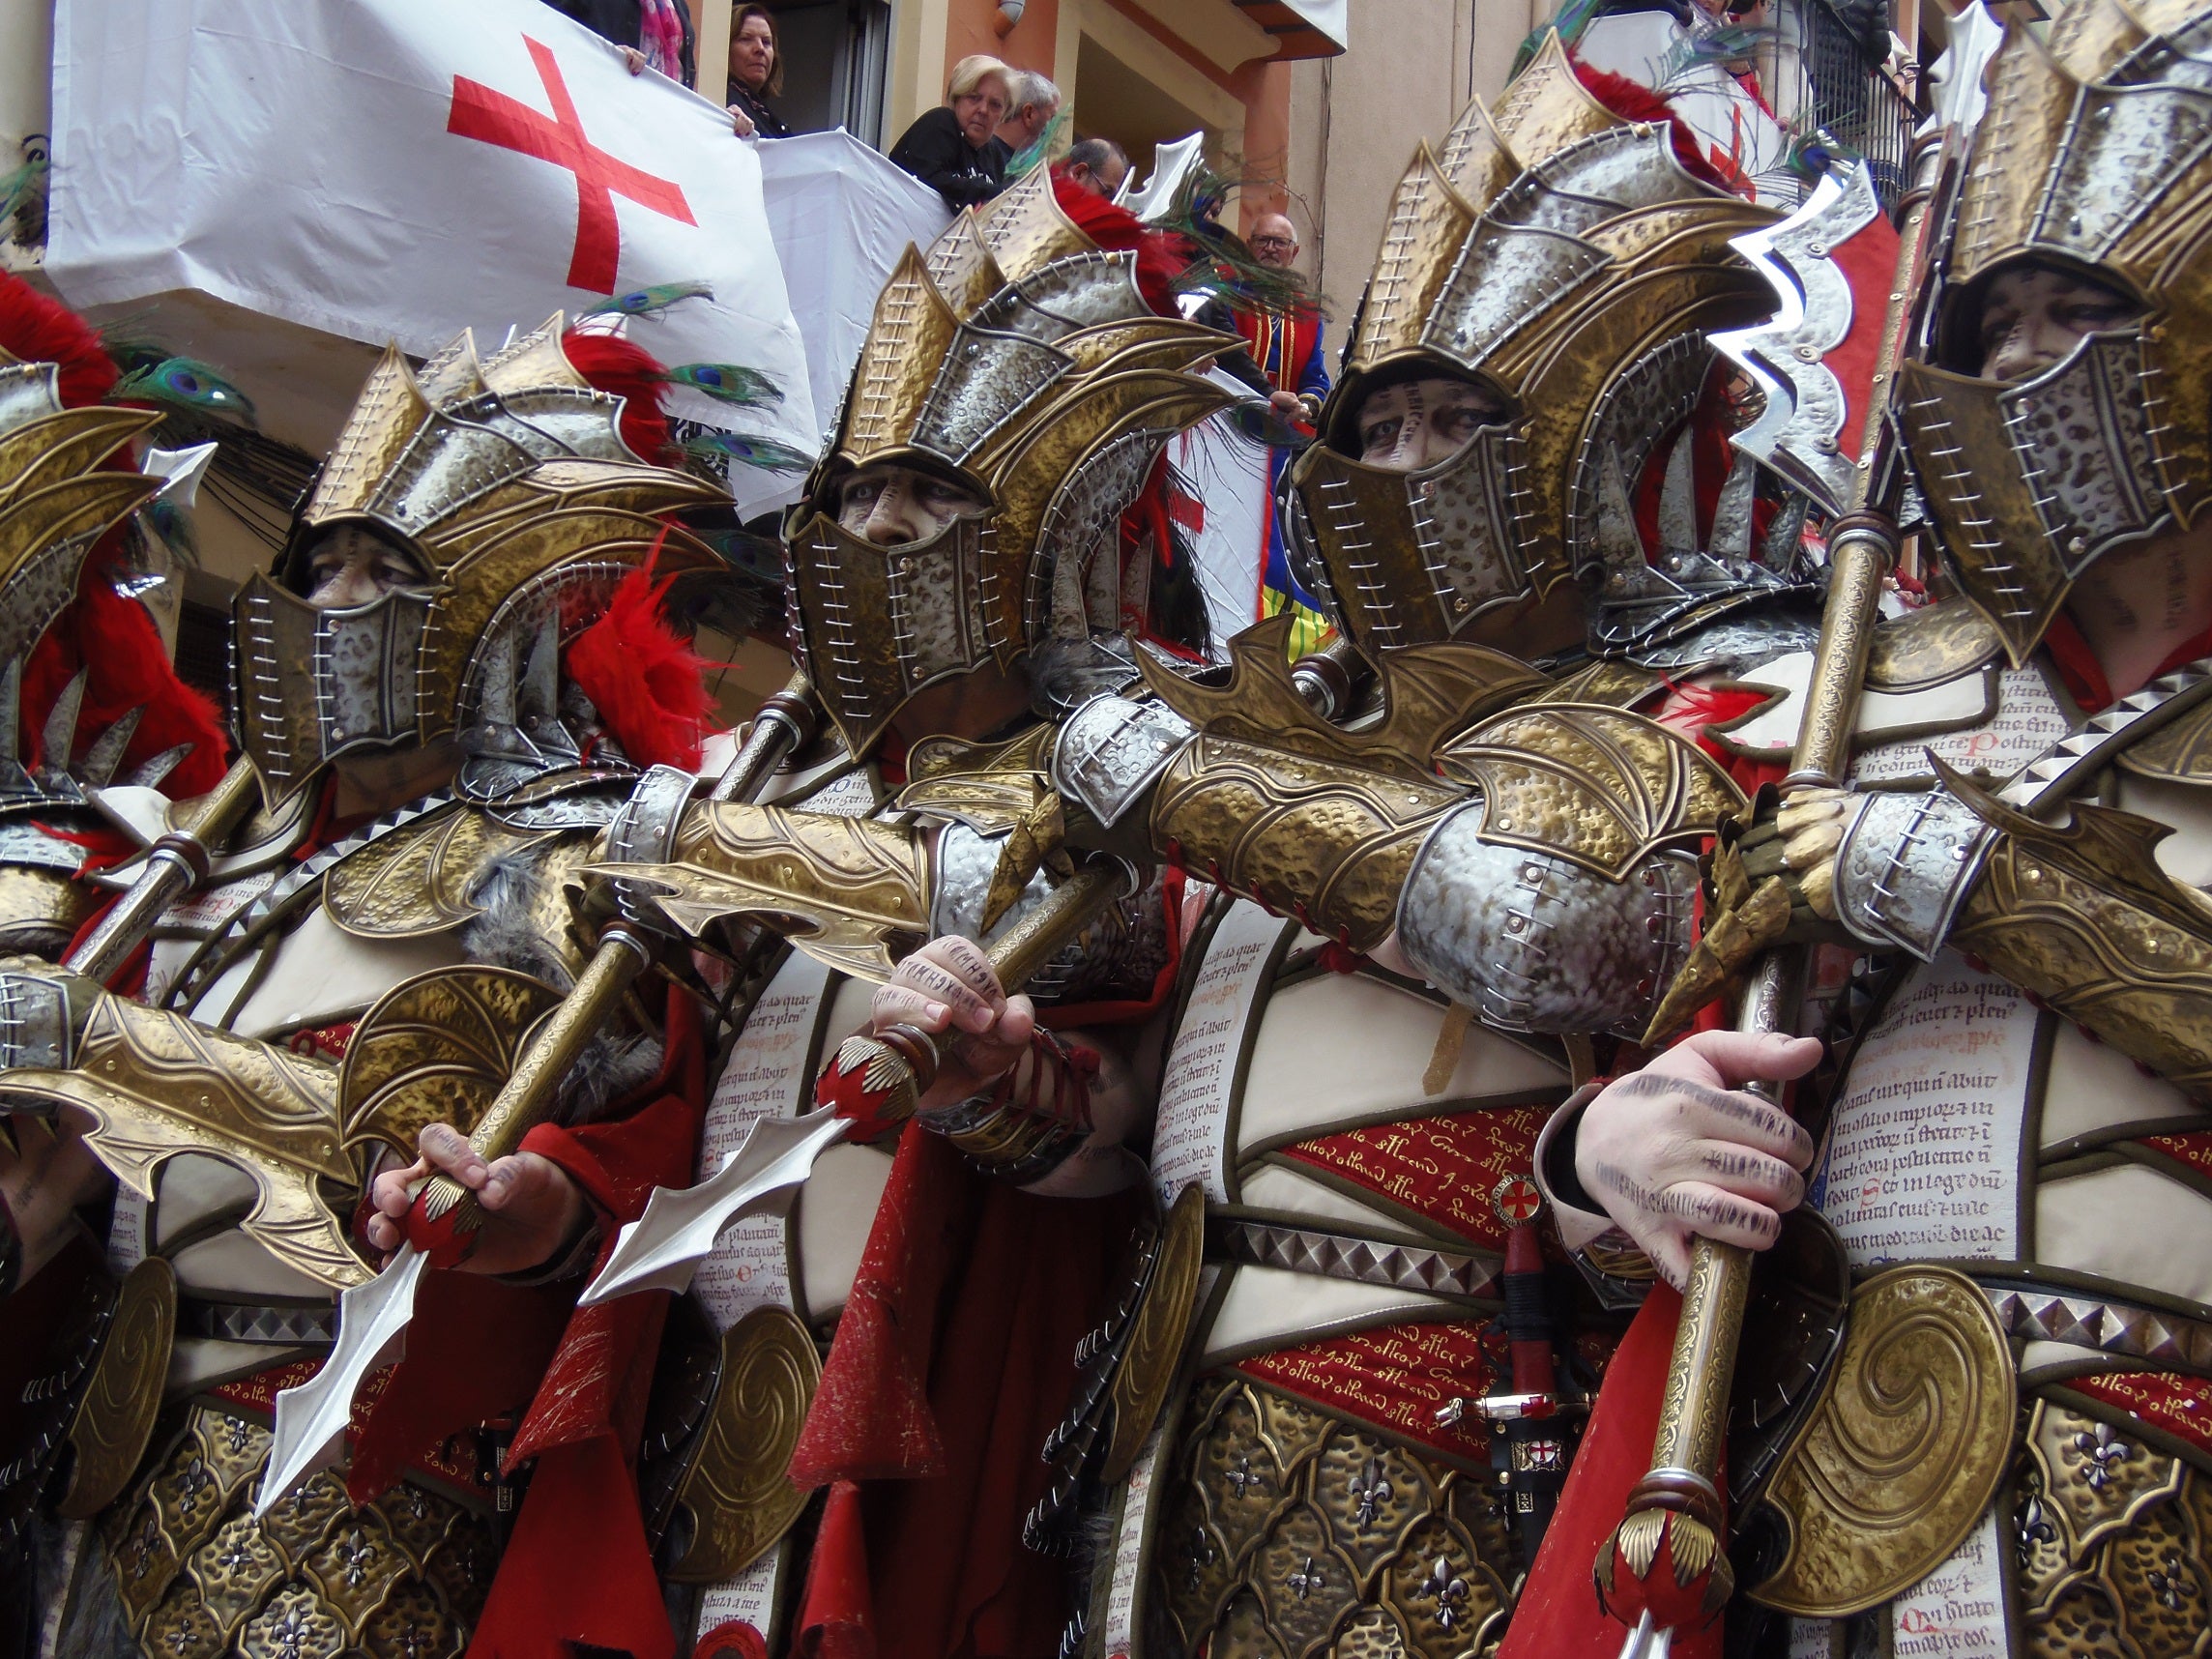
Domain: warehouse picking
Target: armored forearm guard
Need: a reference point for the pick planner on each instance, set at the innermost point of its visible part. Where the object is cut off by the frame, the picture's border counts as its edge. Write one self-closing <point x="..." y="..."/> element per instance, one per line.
<point x="2084" y="918"/>
<point x="1904" y="866"/>
<point x="1322" y="840"/>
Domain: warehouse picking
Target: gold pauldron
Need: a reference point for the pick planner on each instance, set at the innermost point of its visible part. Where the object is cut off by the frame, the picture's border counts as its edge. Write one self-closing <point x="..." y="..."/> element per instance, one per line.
<point x="1322" y="840"/>
<point x="158" y="1084"/>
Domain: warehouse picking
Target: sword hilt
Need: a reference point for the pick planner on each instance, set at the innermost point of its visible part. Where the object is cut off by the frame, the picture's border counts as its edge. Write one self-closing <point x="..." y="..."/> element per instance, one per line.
<point x="446" y="1217"/>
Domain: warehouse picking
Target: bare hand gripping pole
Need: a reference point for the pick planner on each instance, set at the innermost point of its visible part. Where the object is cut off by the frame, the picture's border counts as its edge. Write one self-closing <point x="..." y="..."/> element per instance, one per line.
<point x="662" y="1248"/>
<point x="442" y="1226"/>
<point x="1667" y="1563"/>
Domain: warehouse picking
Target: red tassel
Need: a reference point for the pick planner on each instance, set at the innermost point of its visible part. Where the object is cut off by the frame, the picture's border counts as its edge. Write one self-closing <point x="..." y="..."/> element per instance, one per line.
<point x="644" y="682"/>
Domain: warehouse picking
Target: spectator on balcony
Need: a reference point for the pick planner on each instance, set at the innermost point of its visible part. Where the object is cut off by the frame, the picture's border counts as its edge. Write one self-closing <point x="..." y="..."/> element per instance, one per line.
<point x="1031" y="102"/>
<point x="1284" y="339"/>
<point x="954" y="148"/>
<point x="756" y="73"/>
<point x="652" y="34"/>
<point x="1100" y="165"/>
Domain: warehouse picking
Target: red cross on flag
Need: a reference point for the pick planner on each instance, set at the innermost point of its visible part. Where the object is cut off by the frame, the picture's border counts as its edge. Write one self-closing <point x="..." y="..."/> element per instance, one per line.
<point x="398" y="169"/>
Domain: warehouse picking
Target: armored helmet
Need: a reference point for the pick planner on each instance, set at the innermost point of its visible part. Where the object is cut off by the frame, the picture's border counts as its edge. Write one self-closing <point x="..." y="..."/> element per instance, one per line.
<point x="1560" y="254"/>
<point x="507" y="482"/>
<point x="2091" y="158"/>
<point x="1020" y="361"/>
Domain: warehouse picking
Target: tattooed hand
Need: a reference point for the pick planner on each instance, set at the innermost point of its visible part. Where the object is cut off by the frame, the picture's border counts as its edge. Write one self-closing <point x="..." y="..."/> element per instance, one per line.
<point x="1676" y="1150"/>
<point x="947" y="985"/>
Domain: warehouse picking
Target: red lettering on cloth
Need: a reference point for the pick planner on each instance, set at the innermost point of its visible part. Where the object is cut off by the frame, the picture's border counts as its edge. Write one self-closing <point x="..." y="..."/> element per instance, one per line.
<point x="1442" y="1169"/>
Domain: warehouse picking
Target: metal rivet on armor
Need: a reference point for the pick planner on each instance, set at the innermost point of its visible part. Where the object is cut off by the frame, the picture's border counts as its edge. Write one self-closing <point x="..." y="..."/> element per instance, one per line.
<point x="1810" y="353"/>
<point x="1516" y="924"/>
<point x="1502" y="822"/>
<point x="1817" y="249"/>
<point x="2078" y="546"/>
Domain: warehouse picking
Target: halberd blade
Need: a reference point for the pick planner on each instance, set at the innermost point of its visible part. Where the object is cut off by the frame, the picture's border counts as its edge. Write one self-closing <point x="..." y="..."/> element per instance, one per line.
<point x="662" y="1248"/>
<point x="311" y="1419"/>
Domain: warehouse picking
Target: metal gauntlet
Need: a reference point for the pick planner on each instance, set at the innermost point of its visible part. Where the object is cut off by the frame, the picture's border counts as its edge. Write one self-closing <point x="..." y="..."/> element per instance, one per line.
<point x="1904" y="866"/>
<point x="1535" y="942"/>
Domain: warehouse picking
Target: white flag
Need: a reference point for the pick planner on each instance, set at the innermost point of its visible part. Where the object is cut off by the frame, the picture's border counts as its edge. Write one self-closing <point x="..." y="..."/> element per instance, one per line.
<point x="402" y="170"/>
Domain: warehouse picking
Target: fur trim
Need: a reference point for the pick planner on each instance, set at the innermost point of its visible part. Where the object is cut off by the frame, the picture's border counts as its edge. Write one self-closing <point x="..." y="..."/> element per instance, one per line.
<point x="115" y="638"/>
<point x="34" y="329"/>
<point x="646" y="682"/>
<point x="1631" y="101"/>
<point x="620" y="369"/>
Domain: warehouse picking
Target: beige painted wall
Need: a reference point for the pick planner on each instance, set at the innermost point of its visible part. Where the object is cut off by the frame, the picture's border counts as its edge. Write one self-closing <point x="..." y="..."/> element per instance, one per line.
<point x="1409" y="68"/>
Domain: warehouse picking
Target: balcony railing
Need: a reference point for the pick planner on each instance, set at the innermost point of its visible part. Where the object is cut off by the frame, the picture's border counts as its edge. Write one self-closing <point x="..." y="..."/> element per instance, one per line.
<point x="1820" y="81"/>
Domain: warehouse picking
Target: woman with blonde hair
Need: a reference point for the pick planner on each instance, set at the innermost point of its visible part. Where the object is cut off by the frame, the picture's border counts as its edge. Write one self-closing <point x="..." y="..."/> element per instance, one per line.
<point x="953" y="149"/>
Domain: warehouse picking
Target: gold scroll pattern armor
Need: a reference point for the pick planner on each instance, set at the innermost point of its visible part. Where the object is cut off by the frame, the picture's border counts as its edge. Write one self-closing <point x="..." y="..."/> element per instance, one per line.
<point x="2082" y="916"/>
<point x="1290" y="1534"/>
<point x="2113" y="1539"/>
<point x="403" y="1576"/>
<point x="156" y="1084"/>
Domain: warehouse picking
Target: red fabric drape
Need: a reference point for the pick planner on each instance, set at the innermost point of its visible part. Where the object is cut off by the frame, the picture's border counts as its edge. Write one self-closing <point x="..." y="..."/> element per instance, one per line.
<point x="576" y="1569"/>
<point x="954" y="1359"/>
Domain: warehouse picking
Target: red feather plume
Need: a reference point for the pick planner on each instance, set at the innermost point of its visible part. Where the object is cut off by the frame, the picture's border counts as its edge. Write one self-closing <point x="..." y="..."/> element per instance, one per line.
<point x="130" y="670"/>
<point x="35" y="329"/>
<point x="620" y="369"/>
<point x="1162" y="255"/>
<point x="1631" y="101"/>
<point x="646" y="682"/>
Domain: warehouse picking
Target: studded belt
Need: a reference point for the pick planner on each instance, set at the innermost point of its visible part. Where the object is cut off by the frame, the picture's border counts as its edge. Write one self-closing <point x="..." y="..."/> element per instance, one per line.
<point x="2040" y="1313"/>
<point x="1362" y="1261"/>
<point x="297" y="1325"/>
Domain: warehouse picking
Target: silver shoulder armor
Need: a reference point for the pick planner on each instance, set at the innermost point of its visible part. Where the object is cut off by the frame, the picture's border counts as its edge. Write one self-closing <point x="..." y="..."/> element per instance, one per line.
<point x="1535" y="942"/>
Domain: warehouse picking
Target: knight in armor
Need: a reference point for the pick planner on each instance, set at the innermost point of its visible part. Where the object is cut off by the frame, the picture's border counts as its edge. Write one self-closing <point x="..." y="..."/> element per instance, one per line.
<point x="960" y="579"/>
<point x="2011" y="1155"/>
<point x="1524" y="518"/>
<point x="440" y="696"/>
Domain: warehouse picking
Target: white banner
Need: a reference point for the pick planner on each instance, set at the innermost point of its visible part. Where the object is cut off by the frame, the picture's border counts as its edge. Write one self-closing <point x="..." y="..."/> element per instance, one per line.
<point x="842" y="215"/>
<point x="399" y="171"/>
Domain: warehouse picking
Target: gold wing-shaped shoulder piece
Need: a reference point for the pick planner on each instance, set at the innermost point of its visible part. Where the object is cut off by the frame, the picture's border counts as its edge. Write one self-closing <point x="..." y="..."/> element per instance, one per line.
<point x="1599" y="787"/>
<point x="437" y="1049"/>
<point x="1430" y="691"/>
<point x="850" y="892"/>
<point x="989" y="786"/>
<point x="416" y="881"/>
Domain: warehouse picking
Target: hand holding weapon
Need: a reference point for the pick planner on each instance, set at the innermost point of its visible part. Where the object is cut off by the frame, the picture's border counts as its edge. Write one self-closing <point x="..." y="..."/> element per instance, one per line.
<point x="664" y="1246"/>
<point x="444" y="1221"/>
